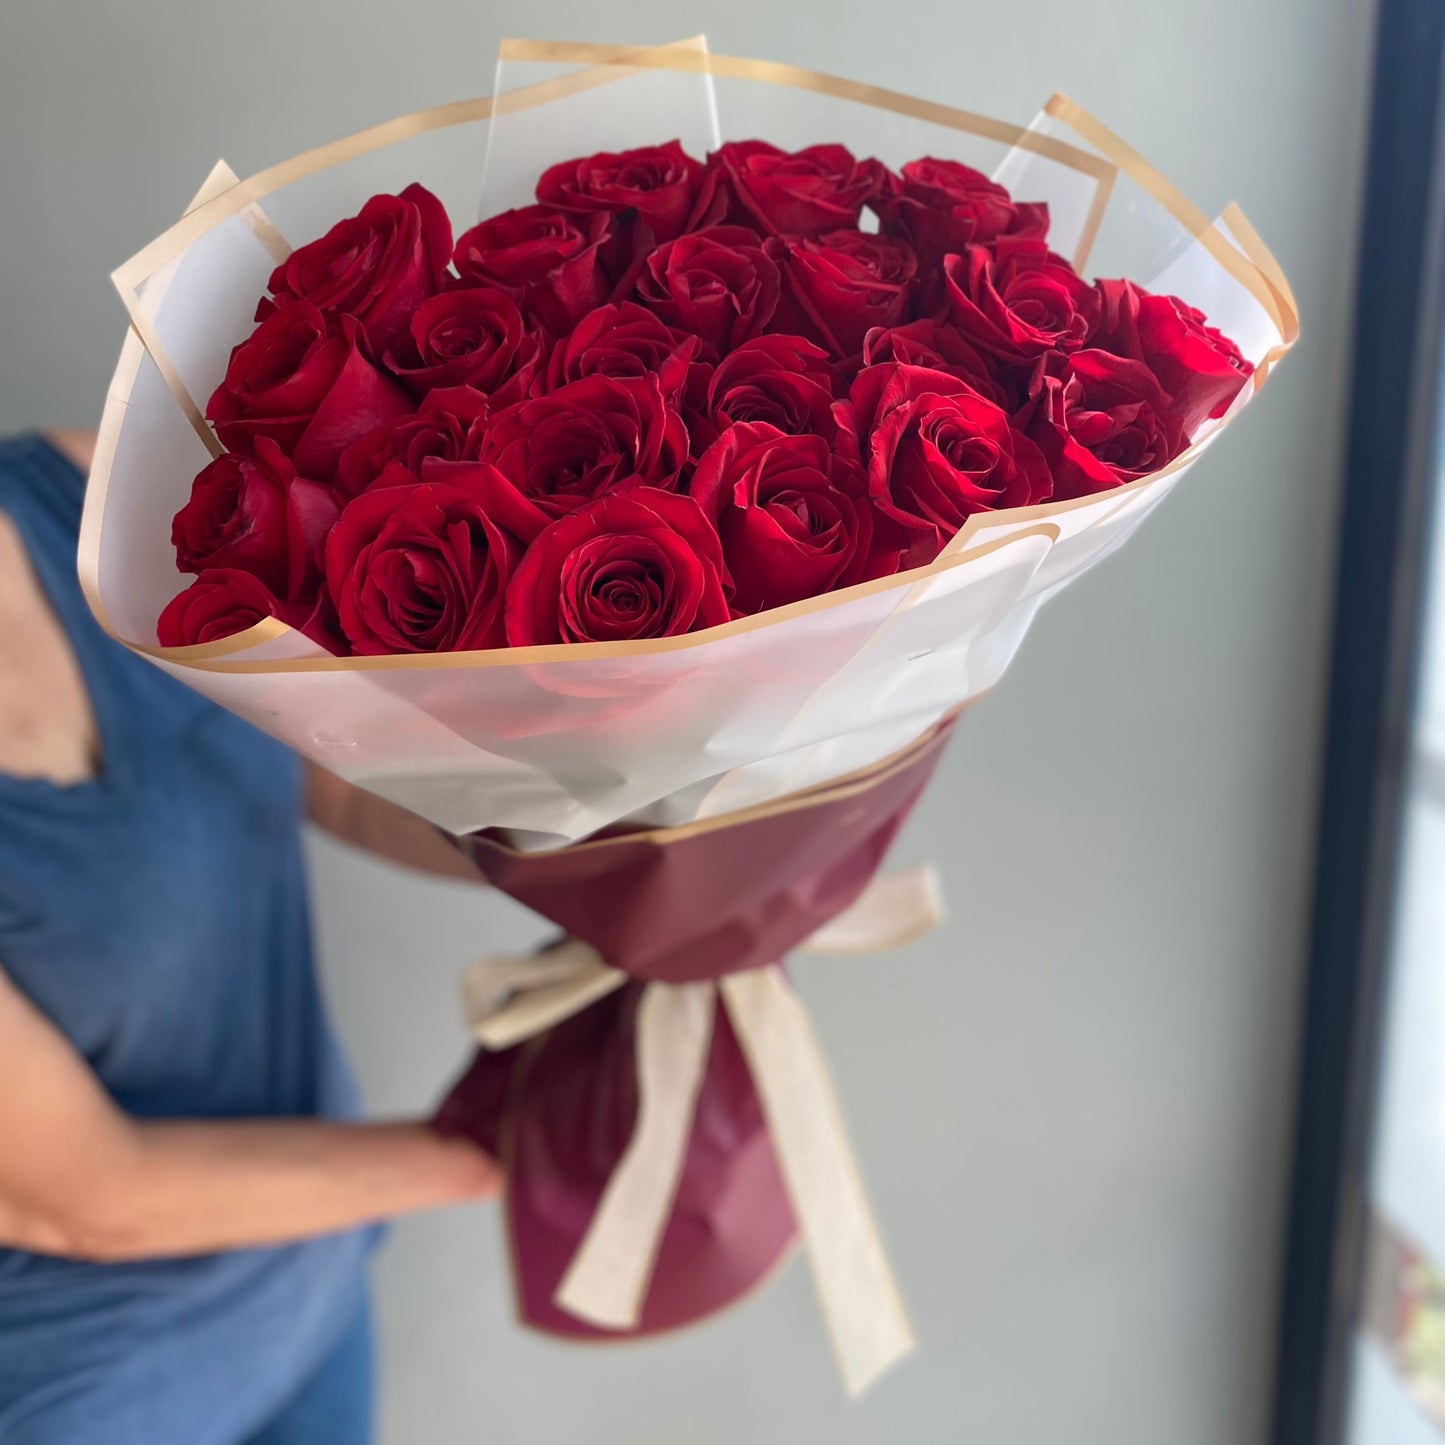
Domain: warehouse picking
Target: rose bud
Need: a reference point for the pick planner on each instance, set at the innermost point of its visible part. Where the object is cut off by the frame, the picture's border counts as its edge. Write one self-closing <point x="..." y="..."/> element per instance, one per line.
<point x="254" y="514"/>
<point x="634" y="565"/>
<point x="305" y="385"/>
<point x="942" y="207"/>
<point x="847" y="283"/>
<point x="1100" y="420"/>
<point x="822" y="188"/>
<point x="468" y="337"/>
<point x="716" y="284"/>
<point x="1017" y="300"/>
<point x="1199" y="367"/>
<point x="377" y="266"/>
<point x="219" y="603"/>
<point x="588" y="437"/>
<point x="623" y="341"/>
<point x="934" y="452"/>
<point x="938" y="346"/>
<point x="785" y="381"/>
<point x="550" y="261"/>
<point x="419" y="567"/>
<point x="669" y="190"/>
<point x="449" y="426"/>
<point x="789" y="513"/>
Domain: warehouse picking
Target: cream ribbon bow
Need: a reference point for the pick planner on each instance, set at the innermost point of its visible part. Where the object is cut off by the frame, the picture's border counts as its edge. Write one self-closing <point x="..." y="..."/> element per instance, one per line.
<point x="512" y="998"/>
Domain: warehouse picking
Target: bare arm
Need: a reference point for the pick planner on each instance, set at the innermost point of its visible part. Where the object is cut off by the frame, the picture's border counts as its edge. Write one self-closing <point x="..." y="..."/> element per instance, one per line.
<point x="391" y="832"/>
<point x="80" y="1178"/>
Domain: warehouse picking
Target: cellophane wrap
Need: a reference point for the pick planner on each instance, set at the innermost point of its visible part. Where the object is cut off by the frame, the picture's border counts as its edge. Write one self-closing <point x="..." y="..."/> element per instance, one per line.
<point x="689" y="809"/>
<point x="555" y="743"/>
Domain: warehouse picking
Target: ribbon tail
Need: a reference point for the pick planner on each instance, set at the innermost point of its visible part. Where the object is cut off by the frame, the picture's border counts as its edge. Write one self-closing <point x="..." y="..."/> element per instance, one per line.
<point x="859" y="1295"/>
<point x="607" y="1281"/>
<point x="513" y="997"/>
<point x="893" y="910"/>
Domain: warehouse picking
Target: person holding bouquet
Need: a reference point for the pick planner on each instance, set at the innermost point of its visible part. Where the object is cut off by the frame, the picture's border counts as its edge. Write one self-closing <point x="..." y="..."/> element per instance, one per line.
<point x="185" y="1188"/>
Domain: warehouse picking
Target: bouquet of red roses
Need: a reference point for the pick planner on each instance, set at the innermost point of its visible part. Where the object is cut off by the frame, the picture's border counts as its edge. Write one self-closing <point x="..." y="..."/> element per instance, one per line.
<point x="648" y="536"/>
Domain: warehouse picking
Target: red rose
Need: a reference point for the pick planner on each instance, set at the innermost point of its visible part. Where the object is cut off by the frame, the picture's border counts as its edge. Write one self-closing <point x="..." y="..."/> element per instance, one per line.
<point x="665" y="186"/>
<point x="549" y="261"/>
<point x="449" y="426"/>
<point x="641" y="564"/>
<point x="939" y="347"/>
<point x="822" y="188"/>
<point x="591" y="436"/>
<point x="849" y="282"/>
<point x="942" y="207"/>
<point x="623" y="341"/>
<point x="784" y="381"/>
<point x="472" y="336"/>
<point x="378" y="266"/>
<point x="935" y="452"/>
<point x="419" y="568"/>
<point x="307" y="386"/>
<point x="717" y="284"/>
<point x="1199" y="367"/>
<point x="254" y="514"/>
<point x="1100" y="420"/>
<point x="788" y="513"/>
<point x="219" y="603"/>
<point x="1017" y="300"/>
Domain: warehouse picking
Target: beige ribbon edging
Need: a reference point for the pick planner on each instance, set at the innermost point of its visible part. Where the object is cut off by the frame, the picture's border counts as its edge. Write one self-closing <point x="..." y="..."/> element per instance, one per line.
<point x="512" y="998"/>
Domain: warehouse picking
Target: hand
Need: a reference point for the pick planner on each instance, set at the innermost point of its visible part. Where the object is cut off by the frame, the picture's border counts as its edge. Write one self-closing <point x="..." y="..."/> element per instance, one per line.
<point x="474" y="1105"/>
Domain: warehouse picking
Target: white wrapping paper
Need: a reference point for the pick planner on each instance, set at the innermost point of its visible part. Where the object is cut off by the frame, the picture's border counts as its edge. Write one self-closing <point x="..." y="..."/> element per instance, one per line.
<point x="555" y="743"/>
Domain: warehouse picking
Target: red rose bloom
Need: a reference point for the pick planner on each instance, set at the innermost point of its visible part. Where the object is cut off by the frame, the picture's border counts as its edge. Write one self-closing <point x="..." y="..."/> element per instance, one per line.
<point x="822" y="188"/>
<point x="623" y="341"/>
<point x="254" y="514"/>
<point x="468" y="337"/>
<point x="939" y="347"/>
<point x="784" y="381"/>
<point x="664" y="185"/>
<point x="449" y="426"/>
<point x="378" y="266"/>
<point x="717" y="284"/>
<point x="788" y="512"/>
<point x="305" y="385"/>
<point x="935" y="452"/>
<point x="1100" y="420"/>
<point x="588" y="437"/>
<point x="942" y="207"/>
<point x="1017" y="300"/>
<point x="219" y="603"/>
<point x="625" y="567"/>
<point x="548" y="260"/>
<point x="848" y="283"/>
<point x="419" y="567"/>
<point x="1199" y="367"/>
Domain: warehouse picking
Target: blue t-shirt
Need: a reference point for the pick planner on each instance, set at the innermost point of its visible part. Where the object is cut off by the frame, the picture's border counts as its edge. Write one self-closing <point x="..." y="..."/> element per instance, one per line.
<point x="157" y="916"/>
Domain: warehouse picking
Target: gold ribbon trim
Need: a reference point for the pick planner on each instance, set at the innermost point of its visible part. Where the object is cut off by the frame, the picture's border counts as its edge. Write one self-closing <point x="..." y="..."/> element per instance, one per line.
<point x="511" y="998"/>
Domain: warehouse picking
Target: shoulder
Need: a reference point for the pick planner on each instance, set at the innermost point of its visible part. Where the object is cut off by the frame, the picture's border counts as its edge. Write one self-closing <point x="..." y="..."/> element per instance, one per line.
<point x="77" y="447"/>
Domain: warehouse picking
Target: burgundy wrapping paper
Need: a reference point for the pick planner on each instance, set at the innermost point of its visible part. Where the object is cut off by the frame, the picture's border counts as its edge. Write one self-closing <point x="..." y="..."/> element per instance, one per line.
<point x="670" y="905"/>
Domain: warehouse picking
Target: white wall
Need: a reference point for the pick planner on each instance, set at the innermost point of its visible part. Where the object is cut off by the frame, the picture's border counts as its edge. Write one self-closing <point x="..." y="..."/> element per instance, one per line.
<point x="1073" y="1104"/>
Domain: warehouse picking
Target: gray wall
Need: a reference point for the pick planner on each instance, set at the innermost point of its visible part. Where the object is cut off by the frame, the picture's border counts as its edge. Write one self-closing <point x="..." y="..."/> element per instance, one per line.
<point x="1073" y="1105"/>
